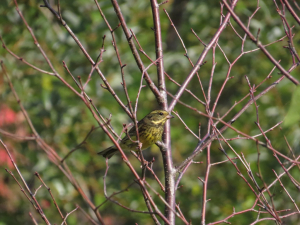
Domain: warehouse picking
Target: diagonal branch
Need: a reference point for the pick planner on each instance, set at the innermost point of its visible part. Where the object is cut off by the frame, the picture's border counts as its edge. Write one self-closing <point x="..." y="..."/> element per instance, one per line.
<point x="134" y="51"/>
<point x="260" y="45"/>
<point x="200" y="61"/>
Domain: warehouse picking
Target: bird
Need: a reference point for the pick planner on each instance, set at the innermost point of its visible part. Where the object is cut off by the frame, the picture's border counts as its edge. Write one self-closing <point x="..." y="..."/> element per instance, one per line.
<point x="150" y="130"/>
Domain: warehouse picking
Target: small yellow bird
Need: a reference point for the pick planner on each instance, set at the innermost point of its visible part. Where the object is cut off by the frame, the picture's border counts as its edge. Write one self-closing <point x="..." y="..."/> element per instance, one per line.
<point x="150" y="129"/>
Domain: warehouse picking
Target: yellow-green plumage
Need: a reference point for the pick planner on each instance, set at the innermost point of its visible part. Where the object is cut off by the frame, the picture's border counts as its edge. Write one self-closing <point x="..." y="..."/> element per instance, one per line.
<point x="150" y="130"/>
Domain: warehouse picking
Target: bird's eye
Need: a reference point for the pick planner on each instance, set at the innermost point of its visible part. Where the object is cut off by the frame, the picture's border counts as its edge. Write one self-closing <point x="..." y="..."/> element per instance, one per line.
<point x="161" y="113"/>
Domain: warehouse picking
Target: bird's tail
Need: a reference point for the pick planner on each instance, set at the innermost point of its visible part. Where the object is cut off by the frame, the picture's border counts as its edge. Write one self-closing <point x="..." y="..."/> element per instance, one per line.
<point x="109" y="152"/>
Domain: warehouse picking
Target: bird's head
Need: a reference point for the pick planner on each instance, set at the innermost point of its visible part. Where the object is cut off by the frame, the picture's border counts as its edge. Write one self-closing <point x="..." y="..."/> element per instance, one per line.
<point x="157" y="117"/>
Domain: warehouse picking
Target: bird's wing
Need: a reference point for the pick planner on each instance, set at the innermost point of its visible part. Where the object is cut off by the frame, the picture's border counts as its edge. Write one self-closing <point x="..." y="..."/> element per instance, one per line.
<point x="132" y="131"/>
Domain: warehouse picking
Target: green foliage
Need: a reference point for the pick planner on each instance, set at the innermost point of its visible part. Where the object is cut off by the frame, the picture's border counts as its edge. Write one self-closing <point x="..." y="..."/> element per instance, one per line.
<point x="63" y="121"/>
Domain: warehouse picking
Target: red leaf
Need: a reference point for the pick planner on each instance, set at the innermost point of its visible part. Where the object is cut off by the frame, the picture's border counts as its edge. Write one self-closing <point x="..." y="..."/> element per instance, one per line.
<point x="7" y="115"/>
<point x="4" y="159"/>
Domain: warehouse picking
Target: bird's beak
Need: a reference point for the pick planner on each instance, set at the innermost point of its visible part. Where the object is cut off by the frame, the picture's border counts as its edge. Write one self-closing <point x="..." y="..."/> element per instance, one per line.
<point x="170" y="116"/>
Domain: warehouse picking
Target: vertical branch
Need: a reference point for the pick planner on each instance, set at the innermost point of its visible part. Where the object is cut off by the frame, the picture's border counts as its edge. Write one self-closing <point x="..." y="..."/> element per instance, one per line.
<point x="204" y="196"/>
<point x="159" y="54"/>
<point x="134" y="51"/>
<point x="162" y="101"/>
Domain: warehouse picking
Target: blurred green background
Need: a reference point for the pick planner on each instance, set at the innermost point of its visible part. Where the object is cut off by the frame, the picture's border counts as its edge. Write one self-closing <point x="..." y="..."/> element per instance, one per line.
<point x="63" y="121"/>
